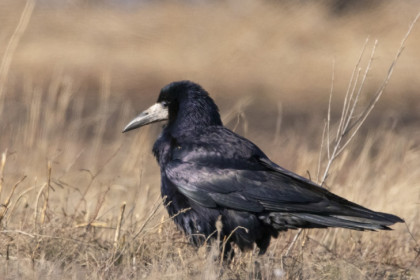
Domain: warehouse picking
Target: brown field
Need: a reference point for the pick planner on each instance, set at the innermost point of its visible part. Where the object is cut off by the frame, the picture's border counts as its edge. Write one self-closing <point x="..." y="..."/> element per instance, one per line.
<point x="77" y="73"/>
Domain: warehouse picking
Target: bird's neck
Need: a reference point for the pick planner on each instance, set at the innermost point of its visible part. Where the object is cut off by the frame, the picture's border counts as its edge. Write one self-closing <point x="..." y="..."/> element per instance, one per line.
<point x="162" y="148"/>
<point x="194" y="117"/>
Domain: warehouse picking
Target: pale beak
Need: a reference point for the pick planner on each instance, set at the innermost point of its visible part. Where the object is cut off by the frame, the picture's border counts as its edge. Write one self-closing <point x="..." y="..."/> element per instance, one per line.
<point x="155" y="113"/>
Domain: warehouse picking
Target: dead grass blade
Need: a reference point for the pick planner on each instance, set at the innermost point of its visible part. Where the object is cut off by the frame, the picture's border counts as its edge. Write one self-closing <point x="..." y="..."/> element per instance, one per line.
<point x="12" y="45"/>
<point x="5" y="205"/>
<point x="2" y="164"/>
<point x="46" y="195"/>
<point x="118" y="229"/>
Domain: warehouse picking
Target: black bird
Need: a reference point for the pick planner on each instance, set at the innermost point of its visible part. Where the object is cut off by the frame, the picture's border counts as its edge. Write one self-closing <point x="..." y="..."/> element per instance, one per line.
<point x="215" y="172"/>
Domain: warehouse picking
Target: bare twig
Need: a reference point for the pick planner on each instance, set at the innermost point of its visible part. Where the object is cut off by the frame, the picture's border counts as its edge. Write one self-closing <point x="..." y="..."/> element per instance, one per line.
<point x="278" y="122"/>
<point x="93" y="178"/>
<point x="155" y="208"/>
<point x="346" y="119"/>
<point x="19" y="232"/>
<point x="219" y="228"/>
<point x="20" y="196"/>
<point x="118" y="229"/>
<point x="350" y="104"/>
<point x="321" y="149"/>
<point x="225" y="240"/>
<point x="2" y="164"/>
<point x="351" y="82"/>
<point x="293" y="241"/>
<point x="358" y="123"/>
<point x="362" y="83"/>
<point x="98" y="207"/>
<point x="417" y="248"/>
<point x="5" y="205"/>
<point x="35" y="235"/>
<point x="95" y="224"/>
<point x="47" y="194"/>
<point x="37" y="203"/>
<point x="182" y="211"/>
<point x="339" y="257"/>
<point x="329" y="110"/>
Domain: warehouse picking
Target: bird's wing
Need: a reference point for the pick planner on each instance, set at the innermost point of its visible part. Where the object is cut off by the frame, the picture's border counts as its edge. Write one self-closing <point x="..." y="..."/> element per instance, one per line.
<point x="254" y="189"/>
<point x="234" y="173"/>
<point x="210" y="186"/>
<point x="297" y="202"/>
<point x="217" y="167"/>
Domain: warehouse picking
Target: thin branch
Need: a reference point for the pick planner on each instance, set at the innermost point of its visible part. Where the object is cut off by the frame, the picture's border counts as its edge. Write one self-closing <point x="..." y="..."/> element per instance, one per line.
<point x="329" y="110"/>
<point x="356" y="68"/>
<point x="362" y="83"/>
<point x="156" y="206"/>
<point x="99" y="204"/>
<point x="35" y="235"/>
<point x="6" y="203"/>
<point x="47" y="194"/>
<point x="93" y="178"/>
<point x="37" y="203"/>
<point x="227" y="240"/>
<point x="2" y="164"/>
<point x="293" y="242"/>
<point x="118" y="229"/>
<point x="339" y="257"/>
<point x="347" y="116"/>
<point x="20" y="196"/>
<point x="321" y="152"/>
<point x="359" y="122"/>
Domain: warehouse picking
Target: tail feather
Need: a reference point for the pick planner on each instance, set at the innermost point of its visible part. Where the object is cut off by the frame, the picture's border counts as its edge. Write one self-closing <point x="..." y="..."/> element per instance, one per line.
<point x="357" y="220"/>
<point x="343" y="222"/>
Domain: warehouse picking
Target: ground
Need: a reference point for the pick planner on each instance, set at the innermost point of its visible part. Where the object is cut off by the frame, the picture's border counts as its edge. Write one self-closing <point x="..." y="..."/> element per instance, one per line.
<point x="88" y="205"/>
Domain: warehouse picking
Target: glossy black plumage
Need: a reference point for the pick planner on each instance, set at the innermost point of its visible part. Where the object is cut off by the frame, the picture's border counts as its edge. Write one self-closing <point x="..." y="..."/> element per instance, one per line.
<point x="215" y="172"/>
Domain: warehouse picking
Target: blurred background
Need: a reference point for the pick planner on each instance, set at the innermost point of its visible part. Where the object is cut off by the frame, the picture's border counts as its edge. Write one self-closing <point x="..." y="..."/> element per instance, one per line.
<point x="104" y="61"/>
<point x="73" y="73"/>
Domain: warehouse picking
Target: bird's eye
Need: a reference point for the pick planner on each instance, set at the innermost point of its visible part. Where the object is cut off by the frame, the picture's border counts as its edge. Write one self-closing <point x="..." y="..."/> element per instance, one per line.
<point x="165" y="104"/>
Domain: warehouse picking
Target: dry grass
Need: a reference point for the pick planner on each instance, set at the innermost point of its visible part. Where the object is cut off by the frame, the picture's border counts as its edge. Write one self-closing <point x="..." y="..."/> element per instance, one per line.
<point x="81" y="200"/>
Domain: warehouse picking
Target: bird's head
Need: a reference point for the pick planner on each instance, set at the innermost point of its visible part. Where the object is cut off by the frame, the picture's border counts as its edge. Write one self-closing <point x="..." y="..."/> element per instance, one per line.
<point x="184" y="104"/>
